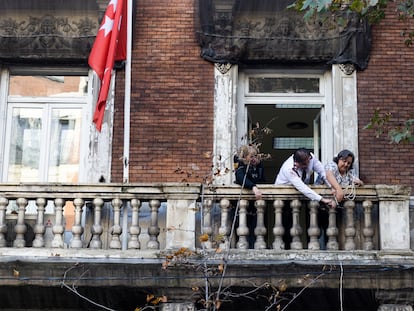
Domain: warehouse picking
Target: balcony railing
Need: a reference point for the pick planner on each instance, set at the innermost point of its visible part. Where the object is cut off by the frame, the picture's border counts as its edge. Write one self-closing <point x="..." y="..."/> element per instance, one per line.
<point x="161" y="217"/>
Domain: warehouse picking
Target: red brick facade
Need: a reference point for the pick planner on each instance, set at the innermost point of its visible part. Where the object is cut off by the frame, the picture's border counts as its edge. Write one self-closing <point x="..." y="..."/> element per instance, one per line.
<point x="388" y="84"/>
<point x="172" y="99"/>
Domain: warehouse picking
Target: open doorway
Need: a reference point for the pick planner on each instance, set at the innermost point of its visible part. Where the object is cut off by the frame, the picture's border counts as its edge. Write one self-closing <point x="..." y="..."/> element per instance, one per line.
<point x="292" y="126"/>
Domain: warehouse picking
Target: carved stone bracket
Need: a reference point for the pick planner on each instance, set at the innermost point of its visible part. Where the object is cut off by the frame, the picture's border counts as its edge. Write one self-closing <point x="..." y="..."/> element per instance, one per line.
<point x="347" y="69"/>
<point x="223" y="68"/>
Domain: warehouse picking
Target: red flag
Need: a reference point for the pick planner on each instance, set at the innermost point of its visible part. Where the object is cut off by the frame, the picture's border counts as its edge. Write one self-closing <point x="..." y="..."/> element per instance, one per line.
<point x="109" y="46"/>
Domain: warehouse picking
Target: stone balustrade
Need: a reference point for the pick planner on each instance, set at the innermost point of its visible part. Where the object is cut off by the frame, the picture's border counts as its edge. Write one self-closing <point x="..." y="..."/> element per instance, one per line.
<point x="169" y="216"/>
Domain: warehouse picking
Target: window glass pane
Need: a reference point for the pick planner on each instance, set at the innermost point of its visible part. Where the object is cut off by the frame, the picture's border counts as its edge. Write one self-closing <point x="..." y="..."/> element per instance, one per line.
<point x="25" y="142"/>
<point x="65" y="144"/>
<point x="292" y="142"/>
<point x="48" y="85"/>
<point x="283" y="85"/>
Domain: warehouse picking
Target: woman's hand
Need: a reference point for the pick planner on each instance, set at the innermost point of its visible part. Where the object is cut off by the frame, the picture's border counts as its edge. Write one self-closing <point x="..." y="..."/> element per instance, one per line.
<point x="339" y="194"/>
<point x="357" y="181"/>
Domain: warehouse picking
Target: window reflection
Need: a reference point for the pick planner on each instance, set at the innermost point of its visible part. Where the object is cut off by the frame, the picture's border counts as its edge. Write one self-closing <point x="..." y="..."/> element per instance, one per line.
<point x="25" y="142"/>
<point x="64" y="147"/>
<point x="48" y="85"/>
<point x="283" y="85"/>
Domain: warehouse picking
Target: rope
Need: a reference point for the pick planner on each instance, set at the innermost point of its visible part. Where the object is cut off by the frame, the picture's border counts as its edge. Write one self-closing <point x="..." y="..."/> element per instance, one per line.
<point x="349" y="193"/>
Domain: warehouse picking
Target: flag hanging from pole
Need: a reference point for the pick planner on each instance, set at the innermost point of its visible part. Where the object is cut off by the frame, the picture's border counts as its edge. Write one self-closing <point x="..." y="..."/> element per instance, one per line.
<point x="109" y="46"/>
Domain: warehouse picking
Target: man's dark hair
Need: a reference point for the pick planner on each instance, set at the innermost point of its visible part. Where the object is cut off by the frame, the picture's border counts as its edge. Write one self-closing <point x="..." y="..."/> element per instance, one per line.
<point x="301" y="155"/>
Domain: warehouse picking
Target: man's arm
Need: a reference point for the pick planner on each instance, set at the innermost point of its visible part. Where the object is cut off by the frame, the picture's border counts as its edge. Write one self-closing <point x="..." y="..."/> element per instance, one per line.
<point x="297" y="182"/>
<point x="318" y="167"/>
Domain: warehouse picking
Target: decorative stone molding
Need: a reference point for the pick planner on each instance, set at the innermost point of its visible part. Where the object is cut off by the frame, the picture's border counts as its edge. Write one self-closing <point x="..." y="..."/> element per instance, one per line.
<point x="263" y="31"/>
<point x="223" y="68"/>
<point x="395" y="300"/>
<point x="46" y="36"/>
<point x="177" y="306"/>
<point x="395" y="307"/>
<point x="347" y="69"/>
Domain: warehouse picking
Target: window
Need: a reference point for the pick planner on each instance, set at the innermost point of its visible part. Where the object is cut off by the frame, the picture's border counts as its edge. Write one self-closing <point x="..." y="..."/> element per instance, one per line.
<point x="314" y="105"/>
<point x="45" y="118"/>
<point x="290" y="104"/>
<point x="283" y="85"/>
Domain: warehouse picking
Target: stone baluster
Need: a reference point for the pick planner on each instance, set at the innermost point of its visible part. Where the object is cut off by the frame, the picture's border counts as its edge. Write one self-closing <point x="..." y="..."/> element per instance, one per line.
<point x="39" y="228"/>
<point x="278" y="229"/>
<point x="77" y="229"/>
<point x="224" y="230"/>
<point x="20" y="227"/>
<point x="332" y="231"/>
<point x="350" y="230"/>
<point x="313" y="230"/>
<point x="134" y="230"/>
<point x="97" y="228"/>
<point x="243" y="231"/>
<point x="207" y="228"/>
<point x="296" y="229"/>
<point x="368" y="230"/>
<point x="3" y="227"/>
<point x="116" y="229"/>
<point x="58" y="229"/>
<point x="260" y="230"/>
<point x="154" y="229"/>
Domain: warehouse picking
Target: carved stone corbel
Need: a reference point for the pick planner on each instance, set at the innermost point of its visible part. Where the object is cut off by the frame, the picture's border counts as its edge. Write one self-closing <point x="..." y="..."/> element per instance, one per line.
<point x="223" y="68"/>
<point x="347" y="69"/>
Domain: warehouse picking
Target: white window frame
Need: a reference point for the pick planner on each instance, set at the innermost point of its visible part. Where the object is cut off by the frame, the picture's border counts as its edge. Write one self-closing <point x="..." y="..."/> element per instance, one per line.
<point x="246" y="74"/>
<point x="339" y="117"/>
<point x="47" y="106"/>
<point x="96" y="147"/>
<point x="322" y="100"/>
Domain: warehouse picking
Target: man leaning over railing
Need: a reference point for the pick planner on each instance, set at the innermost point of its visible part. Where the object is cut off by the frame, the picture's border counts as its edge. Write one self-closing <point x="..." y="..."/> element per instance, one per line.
<point x="297" y="171"/>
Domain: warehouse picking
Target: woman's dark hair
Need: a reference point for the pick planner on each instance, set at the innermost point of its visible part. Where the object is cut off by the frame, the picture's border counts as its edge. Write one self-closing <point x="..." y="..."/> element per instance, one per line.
<point x="343" y="155"/>
<point x="301" y="155"/>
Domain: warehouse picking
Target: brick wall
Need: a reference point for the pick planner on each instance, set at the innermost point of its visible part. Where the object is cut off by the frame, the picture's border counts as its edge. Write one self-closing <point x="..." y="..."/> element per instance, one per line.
<point x="388" y="84"/>
<point x="171" y="97"/>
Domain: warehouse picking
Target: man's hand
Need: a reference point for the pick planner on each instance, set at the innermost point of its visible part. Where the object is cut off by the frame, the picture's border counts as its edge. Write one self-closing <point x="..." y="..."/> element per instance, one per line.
<point x="257" y="193"/>
<point x="330" y="203"/>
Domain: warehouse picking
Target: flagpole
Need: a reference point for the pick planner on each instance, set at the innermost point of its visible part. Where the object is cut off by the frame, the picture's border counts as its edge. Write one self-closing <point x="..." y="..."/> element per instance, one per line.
<point x="127" y="121"/>
<point x="127" y="99"/>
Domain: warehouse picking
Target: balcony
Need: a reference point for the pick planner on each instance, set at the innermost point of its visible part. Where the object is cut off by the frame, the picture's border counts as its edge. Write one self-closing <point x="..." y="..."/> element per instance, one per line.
<point x="165" y="239"/>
